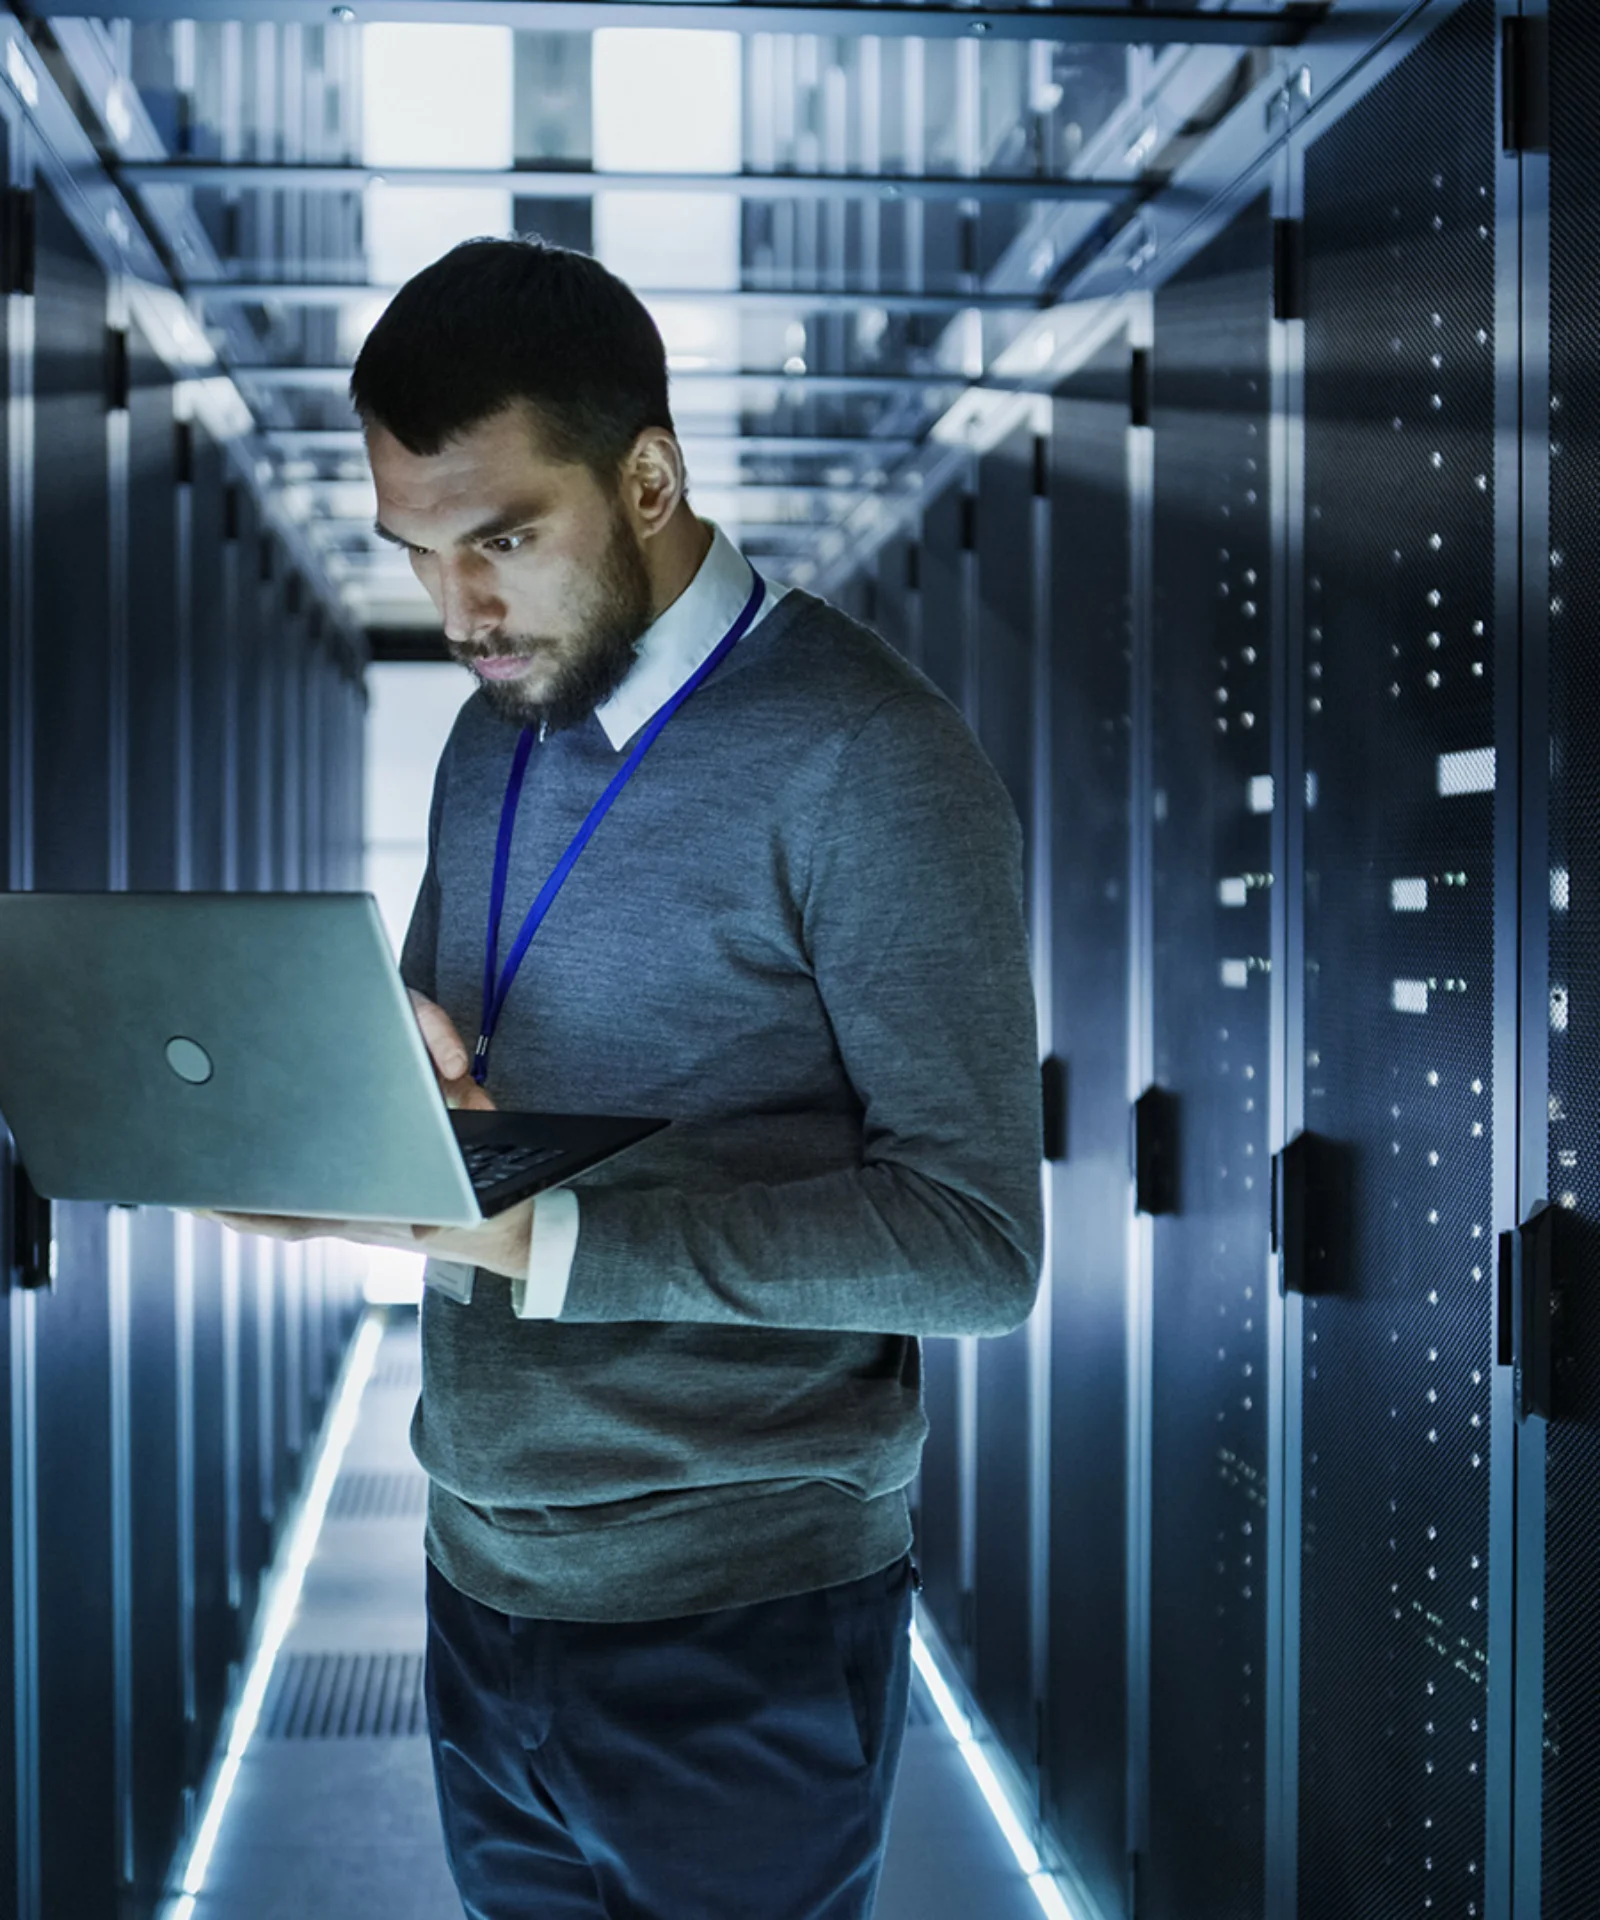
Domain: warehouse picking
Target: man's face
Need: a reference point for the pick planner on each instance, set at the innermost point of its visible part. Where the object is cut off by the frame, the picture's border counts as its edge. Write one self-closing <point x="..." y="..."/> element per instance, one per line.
<point x="536" y="572"/>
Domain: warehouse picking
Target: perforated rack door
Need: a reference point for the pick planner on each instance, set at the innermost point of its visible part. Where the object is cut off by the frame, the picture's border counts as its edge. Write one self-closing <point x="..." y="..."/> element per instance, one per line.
<point x="213" y="821"/>
<point x="77" y="1442"/>
<point x="1571" y="1817"/>
<point x="1091" y="706"/>
<point x="157" y="1489"/>
<point x="1399" y="913"/>
<point x="1003" y="1585"/>
<point x="1211" y="833"/>
<point x="940" y="1545"/>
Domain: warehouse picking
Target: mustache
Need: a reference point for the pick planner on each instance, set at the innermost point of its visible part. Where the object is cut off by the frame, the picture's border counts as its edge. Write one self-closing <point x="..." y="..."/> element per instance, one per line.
<point x="509" y="648"/>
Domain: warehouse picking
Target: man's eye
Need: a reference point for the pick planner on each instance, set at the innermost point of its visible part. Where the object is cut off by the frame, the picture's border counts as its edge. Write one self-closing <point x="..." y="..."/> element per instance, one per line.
<point x="506" y="542"/>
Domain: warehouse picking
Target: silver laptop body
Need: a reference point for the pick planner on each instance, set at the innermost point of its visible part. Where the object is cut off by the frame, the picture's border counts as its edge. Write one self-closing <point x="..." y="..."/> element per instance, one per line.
<point x="248" y="1053"/>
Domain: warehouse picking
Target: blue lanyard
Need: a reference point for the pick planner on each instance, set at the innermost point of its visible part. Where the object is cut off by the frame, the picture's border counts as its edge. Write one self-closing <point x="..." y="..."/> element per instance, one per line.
<point x="494" y="993"/>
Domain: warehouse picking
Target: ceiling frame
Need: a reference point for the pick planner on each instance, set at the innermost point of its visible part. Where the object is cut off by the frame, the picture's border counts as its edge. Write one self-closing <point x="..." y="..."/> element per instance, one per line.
<point x="582" y="183"/>
<point x="350" y="440"/>
<point x="339" y="293"/>
<point x="336" y="379"/>
<point x="1069" y="23"/>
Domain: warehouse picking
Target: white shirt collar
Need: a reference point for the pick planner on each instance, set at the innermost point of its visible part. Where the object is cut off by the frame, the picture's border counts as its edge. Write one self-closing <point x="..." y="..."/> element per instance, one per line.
<point x="684" y="636"/>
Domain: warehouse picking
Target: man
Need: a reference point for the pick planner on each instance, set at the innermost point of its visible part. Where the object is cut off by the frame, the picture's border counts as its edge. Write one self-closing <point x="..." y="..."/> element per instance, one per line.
<point x="669" y="1416"/>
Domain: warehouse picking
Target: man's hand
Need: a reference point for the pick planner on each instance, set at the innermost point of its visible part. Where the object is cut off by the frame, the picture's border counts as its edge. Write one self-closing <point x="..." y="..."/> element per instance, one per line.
<point x="448" y="1052"/>
<point x="501" y="1244"/>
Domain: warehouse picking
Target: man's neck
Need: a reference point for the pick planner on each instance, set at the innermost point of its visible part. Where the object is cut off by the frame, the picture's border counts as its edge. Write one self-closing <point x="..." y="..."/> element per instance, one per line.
<point x="681" y="561"/>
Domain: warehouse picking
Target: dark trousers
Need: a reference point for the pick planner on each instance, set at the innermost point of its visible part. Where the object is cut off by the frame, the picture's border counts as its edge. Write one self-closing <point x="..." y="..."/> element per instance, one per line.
<point x="736" y="1765"/>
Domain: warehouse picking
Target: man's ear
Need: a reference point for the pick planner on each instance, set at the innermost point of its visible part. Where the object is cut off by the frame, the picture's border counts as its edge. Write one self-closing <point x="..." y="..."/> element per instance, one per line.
<point x="654" y="480"/>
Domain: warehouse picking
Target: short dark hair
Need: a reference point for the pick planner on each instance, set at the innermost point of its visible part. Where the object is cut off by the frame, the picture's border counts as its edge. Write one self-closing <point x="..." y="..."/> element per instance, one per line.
<point x="493" y="322"/>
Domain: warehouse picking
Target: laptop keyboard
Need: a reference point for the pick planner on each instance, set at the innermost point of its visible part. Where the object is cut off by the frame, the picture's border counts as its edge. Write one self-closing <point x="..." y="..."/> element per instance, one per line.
<point x="490" y="1167"/>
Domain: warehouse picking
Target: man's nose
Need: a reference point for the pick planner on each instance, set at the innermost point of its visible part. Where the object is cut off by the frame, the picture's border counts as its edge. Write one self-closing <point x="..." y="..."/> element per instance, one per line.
<point x="471" y="611"/>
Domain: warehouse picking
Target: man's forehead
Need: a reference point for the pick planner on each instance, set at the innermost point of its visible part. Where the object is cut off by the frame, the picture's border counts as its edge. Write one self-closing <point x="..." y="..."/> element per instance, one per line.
<point x="507" y="443"/>
<point x="492" y="468"/>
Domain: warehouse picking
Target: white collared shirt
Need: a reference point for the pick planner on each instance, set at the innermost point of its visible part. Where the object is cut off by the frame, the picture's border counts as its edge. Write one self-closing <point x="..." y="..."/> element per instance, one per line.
<point x="672" y="647"/>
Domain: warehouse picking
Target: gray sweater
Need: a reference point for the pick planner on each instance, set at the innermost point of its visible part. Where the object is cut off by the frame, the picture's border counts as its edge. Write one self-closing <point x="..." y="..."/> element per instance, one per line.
<point x="798" y="935"/>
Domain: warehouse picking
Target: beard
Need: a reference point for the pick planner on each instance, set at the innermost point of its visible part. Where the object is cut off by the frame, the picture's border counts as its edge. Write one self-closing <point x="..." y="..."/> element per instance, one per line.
<point x="603" y="654"/>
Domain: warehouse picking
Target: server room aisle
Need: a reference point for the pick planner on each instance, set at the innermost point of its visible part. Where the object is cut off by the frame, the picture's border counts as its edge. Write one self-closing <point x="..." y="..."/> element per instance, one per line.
<point x="333" y="1814"/>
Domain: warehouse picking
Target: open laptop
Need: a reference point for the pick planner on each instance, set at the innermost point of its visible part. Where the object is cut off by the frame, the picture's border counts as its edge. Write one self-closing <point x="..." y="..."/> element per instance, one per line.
<point x="249" y="1053"/>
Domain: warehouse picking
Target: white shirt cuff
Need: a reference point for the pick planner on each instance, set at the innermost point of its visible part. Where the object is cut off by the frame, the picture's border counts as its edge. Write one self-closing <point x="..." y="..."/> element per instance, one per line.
<point x="543" y="1293"/>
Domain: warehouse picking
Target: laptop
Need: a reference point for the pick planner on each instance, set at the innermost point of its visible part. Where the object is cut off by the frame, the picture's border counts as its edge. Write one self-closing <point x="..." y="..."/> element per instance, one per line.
<point x="249" y="1053"/>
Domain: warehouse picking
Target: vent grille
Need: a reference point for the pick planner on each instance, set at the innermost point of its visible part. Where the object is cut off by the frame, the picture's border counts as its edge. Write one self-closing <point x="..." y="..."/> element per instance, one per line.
<point x="346" y="1696"/>
<point x="379" y="1496"/>
<point x="397" y="1370"/>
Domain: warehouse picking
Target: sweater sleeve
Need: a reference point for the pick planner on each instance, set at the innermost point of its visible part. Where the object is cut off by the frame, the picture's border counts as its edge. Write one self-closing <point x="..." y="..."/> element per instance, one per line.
<point x="912" y="917"/>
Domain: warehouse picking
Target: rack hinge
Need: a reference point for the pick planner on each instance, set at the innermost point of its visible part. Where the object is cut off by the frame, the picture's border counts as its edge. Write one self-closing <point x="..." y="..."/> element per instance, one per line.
<point x="1053" y="1081"/>
<point x="969" y="522"/>
<point x="1529" y="1315"/>
<point x="1311" y="1200"/>
<point x="183" y="452"/>
<point x="21" y="243"/>
<point x="1525" y="85"/>
<point x="1154" y="1153"/>
<point x="119" y="372"/>
<point x="1288" y="270"/>
<point x="1041" y="466"/>
<point x="913" y="567"/>
<point x="1141" y="396"/>
<point x="969" y="240"/>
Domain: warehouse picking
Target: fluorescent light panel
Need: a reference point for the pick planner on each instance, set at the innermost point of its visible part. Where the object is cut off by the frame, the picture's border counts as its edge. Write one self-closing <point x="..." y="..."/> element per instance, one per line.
<point x="674" y="240"/>
<point x="1045" y="1887"/>
<point x="431" y="96"/>
<point x="278" y="1607"/>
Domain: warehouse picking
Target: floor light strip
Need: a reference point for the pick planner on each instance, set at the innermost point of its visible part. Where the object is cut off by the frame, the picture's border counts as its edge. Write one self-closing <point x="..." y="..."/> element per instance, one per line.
<point x="279" y="1605"/>
<point x="1045" y="1887"/>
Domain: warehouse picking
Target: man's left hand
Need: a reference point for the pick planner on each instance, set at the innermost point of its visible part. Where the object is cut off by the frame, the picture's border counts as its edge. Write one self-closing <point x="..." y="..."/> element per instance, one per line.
<point x="500" y="1245"/>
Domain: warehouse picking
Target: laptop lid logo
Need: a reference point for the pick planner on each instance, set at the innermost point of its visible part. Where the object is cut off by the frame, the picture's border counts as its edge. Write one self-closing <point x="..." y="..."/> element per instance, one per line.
<point x="189" y="1061"/>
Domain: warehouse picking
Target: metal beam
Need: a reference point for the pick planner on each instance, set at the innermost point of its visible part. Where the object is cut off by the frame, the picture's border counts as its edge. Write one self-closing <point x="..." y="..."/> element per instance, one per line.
<point x="292" y="440"/>
<point x="337" y="379"/>
<point x="339" y="293"/>
<point x="582" y="183"/>
<point x="1073" y="24"/>
<point x="754" y="492"/>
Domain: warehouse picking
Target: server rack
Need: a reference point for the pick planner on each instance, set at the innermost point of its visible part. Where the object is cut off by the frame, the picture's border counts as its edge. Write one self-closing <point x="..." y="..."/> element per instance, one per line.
<point x="1000" y="696"/>
<point x="1321" y="1445"/>
<point x="131" y="1376"/>
<point x="1554" y="1251"/>
<point x="1089" y="781"/>
<point x="944" y="1497"/>
<point x="1206" y="1142"/>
